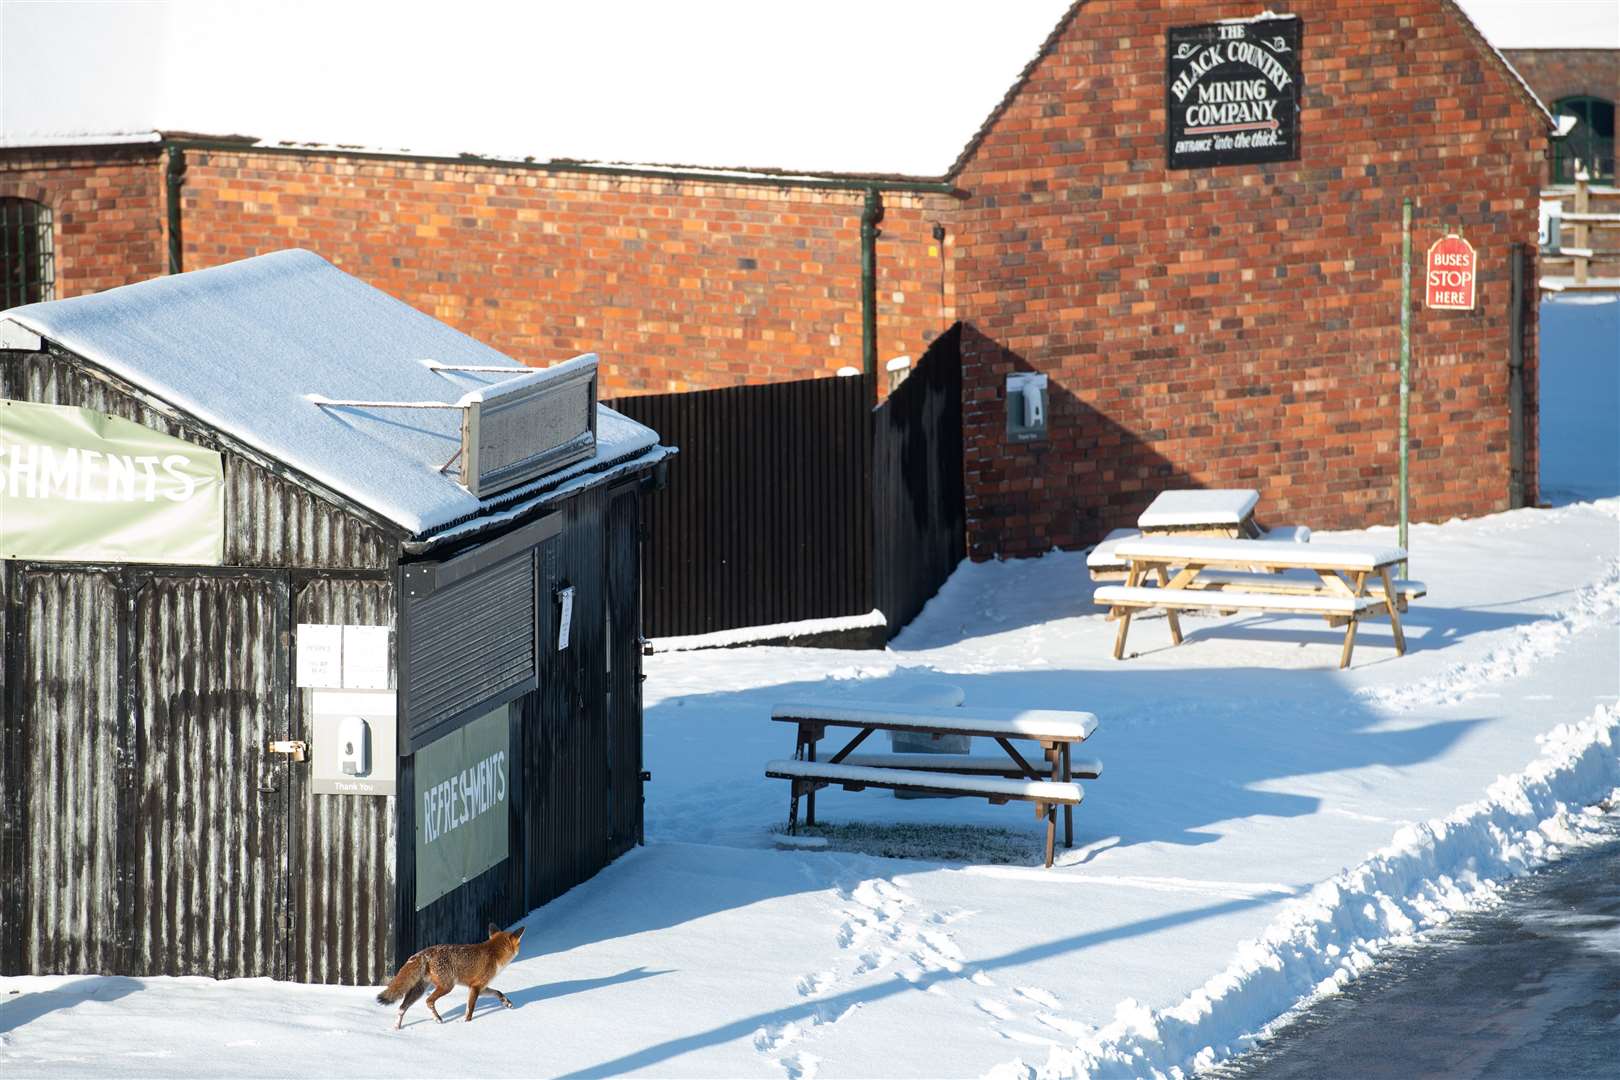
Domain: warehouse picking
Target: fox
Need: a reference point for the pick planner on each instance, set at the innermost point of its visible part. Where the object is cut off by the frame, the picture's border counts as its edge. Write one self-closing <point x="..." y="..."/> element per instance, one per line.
<point x="473" y="966"/>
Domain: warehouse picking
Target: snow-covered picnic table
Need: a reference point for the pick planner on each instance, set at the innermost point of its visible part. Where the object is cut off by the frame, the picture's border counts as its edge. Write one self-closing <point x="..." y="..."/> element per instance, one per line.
<point x="1217" y="512"/>
<point x="1340" y="582"/>
<point x="1055" y="730"/>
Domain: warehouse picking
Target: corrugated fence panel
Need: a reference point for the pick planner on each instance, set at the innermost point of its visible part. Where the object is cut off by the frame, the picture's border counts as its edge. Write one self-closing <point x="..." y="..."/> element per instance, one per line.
<point x="271" y="521"/>
<point x="767" y="517"/>
<point x="210" y="668"/>
<point x="70" y="753"/>
<point x="342" y="857"/>
<point x="919" y="514"/>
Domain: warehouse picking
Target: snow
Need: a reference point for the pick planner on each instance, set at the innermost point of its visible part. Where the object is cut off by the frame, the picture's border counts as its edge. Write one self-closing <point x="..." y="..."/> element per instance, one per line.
<point x="1213" y="506"/>
<point x="204" y="341"/>
<point x="745" y="635"/>
<point x="1221" y="549"/>
<point x="1266" y="827"/>
<point x="1014" y="723"/>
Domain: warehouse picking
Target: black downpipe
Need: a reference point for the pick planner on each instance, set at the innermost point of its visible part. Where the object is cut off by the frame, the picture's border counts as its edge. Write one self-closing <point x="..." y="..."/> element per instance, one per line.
<point x="1516" y="382"/>
<point x="176" y="176"/>
<point x="871" y="214"/>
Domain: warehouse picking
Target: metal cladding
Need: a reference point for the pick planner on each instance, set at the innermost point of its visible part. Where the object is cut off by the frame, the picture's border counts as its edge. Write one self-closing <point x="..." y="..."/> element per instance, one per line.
<point x="62" y="779"/>
<point x="342" y="857"/>
<point x="146" y="826"/>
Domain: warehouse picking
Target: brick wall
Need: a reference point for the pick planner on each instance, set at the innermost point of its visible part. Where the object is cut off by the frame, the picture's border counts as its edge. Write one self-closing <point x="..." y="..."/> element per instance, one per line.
<point x="107" y="211"/>
<point x="678" y="285"/>
<point x="1560" y="73"/>
<point x="1238" y="326"/>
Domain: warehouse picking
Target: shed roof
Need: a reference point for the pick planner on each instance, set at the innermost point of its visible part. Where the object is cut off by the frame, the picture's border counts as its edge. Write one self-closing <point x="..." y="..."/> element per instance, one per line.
<point x="243" y="347"/>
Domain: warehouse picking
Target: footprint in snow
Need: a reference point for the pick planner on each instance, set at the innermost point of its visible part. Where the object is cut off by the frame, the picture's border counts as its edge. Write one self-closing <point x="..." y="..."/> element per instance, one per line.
<point x="1038" y="996"/>
<point x="800" y="1066"/>
<point x="811" y="985"/>
<point x="995" y="1009"/>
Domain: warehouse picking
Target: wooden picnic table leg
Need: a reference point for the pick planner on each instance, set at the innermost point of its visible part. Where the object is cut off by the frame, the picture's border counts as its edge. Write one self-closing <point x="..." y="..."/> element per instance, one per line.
<point x="1359" y="588"/>
<point x="793" y="808"/>
<point x="1051" y="832"/>
<point x="1394" y="615"/>
<point x="810" y="796"/>
<point x="1133" y="579"/>
<point x="1068" y="811"/>
<point x="1169" y="613"/>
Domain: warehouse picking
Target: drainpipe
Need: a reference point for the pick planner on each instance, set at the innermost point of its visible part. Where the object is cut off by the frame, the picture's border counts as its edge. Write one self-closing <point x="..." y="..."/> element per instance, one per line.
<point x="1516" y="425"/>
<point x="871" y="214"/>
<point x="176" y="176"/>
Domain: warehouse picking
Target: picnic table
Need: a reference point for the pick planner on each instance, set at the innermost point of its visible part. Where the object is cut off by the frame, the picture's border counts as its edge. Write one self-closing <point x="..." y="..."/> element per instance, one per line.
<point x="1216" y="512"/>
<point x="1342" y="583"/>
<point x="998" y="780"/>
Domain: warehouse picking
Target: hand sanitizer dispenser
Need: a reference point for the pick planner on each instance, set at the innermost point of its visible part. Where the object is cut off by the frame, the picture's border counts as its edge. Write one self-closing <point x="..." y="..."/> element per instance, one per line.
<point x="1026" y="406"/>
<point x="354" y="746"/>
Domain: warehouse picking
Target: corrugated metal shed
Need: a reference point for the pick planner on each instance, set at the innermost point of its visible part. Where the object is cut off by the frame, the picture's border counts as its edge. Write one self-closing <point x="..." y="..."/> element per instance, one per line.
<point x="145" y="825"/>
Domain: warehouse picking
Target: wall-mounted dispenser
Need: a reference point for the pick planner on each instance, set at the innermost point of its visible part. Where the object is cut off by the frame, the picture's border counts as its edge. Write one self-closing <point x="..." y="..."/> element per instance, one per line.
<point x="1026" y="406"/>
<point x="354" y="746"/>
<point x="353" y="736"/>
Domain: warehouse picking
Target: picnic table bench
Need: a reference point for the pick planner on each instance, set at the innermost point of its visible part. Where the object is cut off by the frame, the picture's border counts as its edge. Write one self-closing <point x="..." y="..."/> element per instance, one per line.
<point x="1342" y="583"/>
<point x="1056" y="731"/>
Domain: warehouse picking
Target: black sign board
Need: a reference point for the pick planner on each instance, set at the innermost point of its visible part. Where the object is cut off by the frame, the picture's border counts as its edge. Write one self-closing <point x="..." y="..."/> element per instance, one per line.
<point x="1231" y="93"/>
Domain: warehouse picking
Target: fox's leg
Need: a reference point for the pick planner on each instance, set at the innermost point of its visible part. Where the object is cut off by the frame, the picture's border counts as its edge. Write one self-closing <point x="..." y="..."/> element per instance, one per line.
<point x="497" y="993"/>
<point x="438" y="992"/>
<point x="406" y="1002"/>
<point x="472" y="1001"/>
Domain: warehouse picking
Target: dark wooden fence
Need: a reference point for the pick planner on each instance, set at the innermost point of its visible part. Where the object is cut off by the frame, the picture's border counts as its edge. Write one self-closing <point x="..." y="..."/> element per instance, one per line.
<point x="766" y="518"/>
<point x="918" y="507"/>
<point x="798" y="500"/>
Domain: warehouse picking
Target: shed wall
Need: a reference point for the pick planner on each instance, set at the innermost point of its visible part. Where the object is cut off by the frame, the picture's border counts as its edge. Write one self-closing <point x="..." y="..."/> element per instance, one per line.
<point x="577" y="800"/>
<point x="146" y="828"/>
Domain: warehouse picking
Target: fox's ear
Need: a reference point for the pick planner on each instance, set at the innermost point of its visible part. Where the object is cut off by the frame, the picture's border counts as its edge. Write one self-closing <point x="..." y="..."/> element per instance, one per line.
<point x="493" y="929"/>
<point x="519" y="935"/>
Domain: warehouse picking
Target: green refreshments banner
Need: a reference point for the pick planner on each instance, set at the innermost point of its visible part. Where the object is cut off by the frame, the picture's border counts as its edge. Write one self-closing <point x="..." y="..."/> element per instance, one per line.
<point x="82" y="486"/>
<point x="461" y="805"/>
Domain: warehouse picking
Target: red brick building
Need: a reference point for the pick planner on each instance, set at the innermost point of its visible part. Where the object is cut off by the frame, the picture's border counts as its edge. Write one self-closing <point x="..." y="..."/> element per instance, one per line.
<point x="1234" y="325"/>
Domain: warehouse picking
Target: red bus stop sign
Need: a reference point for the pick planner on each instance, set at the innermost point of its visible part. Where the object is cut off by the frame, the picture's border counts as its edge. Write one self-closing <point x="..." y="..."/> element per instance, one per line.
<point x="1451" y="275"/>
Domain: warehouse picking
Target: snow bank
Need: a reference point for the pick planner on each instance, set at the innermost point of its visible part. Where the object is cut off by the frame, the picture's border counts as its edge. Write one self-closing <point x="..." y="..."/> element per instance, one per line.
<point x="1323" y="940"/>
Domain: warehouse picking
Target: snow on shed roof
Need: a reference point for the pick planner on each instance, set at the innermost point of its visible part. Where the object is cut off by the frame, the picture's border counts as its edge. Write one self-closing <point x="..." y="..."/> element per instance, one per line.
<point x="242" y="346"/>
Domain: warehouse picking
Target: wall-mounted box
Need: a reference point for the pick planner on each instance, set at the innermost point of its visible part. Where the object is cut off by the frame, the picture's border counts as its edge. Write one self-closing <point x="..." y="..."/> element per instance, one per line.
<point x="1026" y="406"/>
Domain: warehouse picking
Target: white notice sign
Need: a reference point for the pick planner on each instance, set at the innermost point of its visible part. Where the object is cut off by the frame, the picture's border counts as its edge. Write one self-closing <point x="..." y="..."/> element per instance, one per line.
<point x="365" y="657"/>
<point x="320" y="655"/>
<point x="566" y="597"/>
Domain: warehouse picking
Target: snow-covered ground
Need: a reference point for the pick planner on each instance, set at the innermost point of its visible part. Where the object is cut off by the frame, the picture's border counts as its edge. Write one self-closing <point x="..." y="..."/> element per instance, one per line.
<point x="1263" y="825"/>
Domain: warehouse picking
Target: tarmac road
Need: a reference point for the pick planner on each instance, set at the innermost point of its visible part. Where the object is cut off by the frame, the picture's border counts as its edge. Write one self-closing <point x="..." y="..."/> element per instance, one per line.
<point x="1527" y="990"/>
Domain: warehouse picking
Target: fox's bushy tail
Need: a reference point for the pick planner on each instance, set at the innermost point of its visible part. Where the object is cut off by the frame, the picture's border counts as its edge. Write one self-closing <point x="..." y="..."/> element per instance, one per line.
<point x="414" y="971"/>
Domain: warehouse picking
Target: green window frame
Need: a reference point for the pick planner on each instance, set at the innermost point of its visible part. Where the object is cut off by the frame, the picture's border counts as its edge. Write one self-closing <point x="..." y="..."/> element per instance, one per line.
<point x="1589" y="143"/>
<point x="27" y="253"/>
